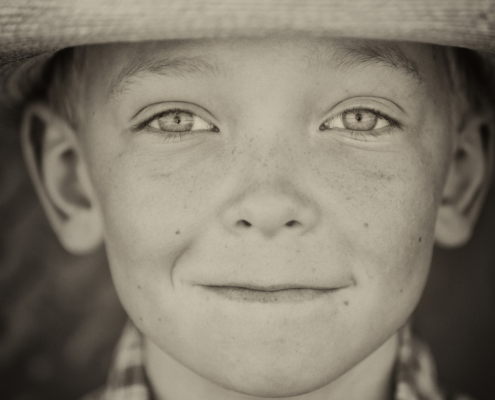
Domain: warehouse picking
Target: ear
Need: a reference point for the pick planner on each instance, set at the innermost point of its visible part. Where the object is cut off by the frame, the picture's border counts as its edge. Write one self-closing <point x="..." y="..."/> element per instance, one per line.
<point x="467" y="183"/>
<point x="58" y="170"/>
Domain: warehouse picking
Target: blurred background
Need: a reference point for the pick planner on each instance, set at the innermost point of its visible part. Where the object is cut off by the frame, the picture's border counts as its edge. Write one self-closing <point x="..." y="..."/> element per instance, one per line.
<point x="60" y="317"/>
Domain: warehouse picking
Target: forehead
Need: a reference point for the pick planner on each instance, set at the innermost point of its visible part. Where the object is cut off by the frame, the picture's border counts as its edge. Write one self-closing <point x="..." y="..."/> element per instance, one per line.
<point x="121" y="65"/>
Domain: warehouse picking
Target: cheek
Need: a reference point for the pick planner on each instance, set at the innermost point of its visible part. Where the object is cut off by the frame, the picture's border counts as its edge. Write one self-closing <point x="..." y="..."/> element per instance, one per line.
<point x="152" y="205"/>
<point x="384" y="210"/>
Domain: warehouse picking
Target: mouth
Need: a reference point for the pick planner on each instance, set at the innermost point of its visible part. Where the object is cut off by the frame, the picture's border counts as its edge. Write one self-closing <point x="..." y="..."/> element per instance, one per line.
<point x="270" y="294"/>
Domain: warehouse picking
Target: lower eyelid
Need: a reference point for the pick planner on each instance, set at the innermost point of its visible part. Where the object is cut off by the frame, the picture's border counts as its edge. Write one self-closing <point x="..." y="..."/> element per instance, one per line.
<point x="374" y="133"/>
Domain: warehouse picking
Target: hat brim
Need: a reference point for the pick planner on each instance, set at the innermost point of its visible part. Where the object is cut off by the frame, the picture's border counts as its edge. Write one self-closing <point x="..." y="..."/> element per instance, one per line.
<point x="28" y="29"/>
<point x="39" y="25"/>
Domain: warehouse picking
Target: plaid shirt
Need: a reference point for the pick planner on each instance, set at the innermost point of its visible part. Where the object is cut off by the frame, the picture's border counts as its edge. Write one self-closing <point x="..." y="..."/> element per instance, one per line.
<point x="415" y="376"/>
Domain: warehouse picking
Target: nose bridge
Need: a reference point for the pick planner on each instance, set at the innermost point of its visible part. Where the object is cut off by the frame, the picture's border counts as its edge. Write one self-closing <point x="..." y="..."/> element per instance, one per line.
<point x="272" y="138"/>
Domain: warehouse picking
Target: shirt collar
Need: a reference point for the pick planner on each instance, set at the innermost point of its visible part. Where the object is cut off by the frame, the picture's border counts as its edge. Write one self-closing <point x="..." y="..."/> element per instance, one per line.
<point x="415" y="375"/>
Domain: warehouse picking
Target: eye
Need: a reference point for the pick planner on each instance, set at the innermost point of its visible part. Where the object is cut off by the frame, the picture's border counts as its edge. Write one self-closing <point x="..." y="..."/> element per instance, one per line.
<point x="359" y="119"/>
<point x="179" y="121"/>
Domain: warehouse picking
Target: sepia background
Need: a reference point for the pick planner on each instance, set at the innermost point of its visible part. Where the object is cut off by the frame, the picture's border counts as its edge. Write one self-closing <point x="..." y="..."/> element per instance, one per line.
<point x="60" y="317"/>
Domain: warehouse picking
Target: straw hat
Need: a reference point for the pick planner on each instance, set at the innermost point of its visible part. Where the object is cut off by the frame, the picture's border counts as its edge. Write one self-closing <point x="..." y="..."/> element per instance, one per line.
<point x="31" y="30"/>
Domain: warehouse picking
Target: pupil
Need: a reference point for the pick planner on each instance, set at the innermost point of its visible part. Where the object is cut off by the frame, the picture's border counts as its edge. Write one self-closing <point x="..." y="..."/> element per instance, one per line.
<point x="177" y="119"/>
<point x="359" y="117"/>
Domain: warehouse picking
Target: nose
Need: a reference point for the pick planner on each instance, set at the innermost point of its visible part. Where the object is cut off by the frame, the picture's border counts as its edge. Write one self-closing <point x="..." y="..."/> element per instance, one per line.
<point x="271" y="209"/>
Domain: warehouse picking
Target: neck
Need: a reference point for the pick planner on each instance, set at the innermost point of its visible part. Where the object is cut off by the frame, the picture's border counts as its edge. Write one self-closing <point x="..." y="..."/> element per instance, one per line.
<point x="371" y="379"/>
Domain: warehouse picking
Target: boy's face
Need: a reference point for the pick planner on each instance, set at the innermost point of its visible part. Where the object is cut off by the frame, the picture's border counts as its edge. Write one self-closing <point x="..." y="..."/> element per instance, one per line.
<point x="278" y="222"/>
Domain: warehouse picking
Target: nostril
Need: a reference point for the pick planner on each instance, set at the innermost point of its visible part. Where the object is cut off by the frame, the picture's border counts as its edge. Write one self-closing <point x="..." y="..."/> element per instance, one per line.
<point x="244" y="223"/>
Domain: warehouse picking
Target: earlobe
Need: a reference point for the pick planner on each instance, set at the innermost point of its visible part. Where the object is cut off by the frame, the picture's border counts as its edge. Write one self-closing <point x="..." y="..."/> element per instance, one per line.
<point x="59" y="173"/>
<point x="466" y="185"/>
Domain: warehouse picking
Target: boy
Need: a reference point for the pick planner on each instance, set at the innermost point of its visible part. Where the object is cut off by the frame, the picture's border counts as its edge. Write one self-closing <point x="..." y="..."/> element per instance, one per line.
<point x="268" y="205"/>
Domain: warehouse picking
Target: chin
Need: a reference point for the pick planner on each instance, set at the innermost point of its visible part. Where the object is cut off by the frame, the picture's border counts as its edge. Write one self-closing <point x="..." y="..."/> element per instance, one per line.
<point x="268" y="384"/>
<point x="275" y="390"/>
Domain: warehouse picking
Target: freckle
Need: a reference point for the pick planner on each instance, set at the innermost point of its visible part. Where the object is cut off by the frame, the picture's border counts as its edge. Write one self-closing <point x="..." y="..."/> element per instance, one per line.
<point x="159" y="319"/>
<point x="139" y="287"/>
<point x="366" y="225"/>
<point x="420" y="239"/>
<point x="177" y="232"/>
<point x="140" y="318"/>
<point x="313" y="270"/>
<point x="346" y="303"/>
<point x="401" y="290"/>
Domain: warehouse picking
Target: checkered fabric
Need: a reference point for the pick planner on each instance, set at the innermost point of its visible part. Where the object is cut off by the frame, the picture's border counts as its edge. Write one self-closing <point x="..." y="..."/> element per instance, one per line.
<point x="415" y="375"/>
<point x="127" y="377"/>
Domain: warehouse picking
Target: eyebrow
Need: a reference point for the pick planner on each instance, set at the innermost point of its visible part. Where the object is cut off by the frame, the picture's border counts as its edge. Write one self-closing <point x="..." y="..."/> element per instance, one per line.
<point x="350" y="54"/>
<point x="179" y="66"/>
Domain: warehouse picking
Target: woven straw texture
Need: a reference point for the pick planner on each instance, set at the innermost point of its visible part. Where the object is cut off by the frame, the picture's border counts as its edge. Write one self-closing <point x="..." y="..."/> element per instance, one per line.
<point x="29" y="28"/>
<point x="32" y="26"/>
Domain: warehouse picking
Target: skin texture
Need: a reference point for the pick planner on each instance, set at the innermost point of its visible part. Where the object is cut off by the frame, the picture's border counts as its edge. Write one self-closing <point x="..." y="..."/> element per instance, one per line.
<point x="270" y="199"/>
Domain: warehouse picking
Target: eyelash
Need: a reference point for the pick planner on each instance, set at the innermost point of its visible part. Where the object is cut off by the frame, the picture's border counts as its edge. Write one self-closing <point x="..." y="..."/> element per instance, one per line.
<point x="393" y="123"/>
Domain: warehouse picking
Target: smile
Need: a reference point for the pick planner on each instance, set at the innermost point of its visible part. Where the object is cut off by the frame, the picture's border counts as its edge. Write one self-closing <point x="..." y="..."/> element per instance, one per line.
<point x="270" y="294"/>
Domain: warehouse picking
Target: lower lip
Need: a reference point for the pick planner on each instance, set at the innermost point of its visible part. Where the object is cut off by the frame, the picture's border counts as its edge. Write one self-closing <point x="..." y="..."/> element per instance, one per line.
<point x="262" y="296"/>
